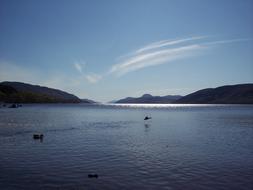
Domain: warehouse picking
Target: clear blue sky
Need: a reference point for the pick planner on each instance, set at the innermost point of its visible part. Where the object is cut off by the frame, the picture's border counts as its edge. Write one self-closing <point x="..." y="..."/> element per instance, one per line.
<point x="105" y="50"/>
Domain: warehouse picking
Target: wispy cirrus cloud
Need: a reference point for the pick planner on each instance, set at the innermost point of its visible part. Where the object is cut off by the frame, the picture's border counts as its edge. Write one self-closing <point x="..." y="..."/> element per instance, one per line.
<point x="165" y="51"/>
<point x="158" y="53"/>
<point x="227" y="41"/>
<point x="93" y="78"/>
<point x="154" y="58"/>
<point x="79" y="66"/>
<point x="153" y="54"/>
<point x="164" y="43"/>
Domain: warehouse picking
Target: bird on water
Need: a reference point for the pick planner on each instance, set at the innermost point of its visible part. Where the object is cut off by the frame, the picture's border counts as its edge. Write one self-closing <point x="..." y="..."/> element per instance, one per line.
<point x="147" y="118"/>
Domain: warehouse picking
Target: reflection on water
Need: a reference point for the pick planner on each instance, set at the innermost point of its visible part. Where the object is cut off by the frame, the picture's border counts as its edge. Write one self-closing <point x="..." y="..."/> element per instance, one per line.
<point x="181" y="147"/>
<point x="147" y="125"/>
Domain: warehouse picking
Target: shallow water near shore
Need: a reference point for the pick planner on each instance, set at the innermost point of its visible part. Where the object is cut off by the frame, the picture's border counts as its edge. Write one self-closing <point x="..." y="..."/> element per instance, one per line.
<point x="181" y="147"/>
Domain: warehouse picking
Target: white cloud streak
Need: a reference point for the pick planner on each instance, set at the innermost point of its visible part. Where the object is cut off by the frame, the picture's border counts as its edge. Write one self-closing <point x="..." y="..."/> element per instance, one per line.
<point x="93" y="78"/>
<point x="153" y="54"/>
<point x="226" y="41"/>
<point x="79" y="66"/>
<point x="162" y="52"/>
<point x="164" y="43"/>
<point x="154" y="58"/>
<point x="156" y="54"/>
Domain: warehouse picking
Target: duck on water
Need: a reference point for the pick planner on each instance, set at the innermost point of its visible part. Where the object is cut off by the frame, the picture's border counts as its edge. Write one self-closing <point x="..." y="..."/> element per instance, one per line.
<point x="38" y="136"/>
<point x="147" y="118"/>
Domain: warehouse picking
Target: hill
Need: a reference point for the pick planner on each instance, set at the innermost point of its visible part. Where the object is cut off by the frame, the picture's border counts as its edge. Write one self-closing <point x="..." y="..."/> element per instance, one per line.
<point x="149" y="99"/>
<point x="231" y="94"/>
<point x="26" y="93"/>
<point x="88" y="101"/>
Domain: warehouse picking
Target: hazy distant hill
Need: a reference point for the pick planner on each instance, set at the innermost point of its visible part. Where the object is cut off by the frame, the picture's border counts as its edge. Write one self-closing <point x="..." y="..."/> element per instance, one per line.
<point x="232" y="94"/>
<point x="26" y="93"/>
<point x="88" y="101"/>
<point x="149" y="99"/>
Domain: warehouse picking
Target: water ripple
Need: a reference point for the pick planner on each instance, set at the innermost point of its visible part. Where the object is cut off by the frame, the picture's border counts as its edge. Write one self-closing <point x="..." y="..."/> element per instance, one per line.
<point x="187" y="147"/>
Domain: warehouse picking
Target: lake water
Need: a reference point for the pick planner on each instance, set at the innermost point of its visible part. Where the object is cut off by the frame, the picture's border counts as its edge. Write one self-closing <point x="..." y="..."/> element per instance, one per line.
<point x="182" y="147"/>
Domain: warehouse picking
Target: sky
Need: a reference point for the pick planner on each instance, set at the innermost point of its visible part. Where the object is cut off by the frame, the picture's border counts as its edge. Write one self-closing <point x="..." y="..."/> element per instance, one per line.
<point x="107" y="50"/>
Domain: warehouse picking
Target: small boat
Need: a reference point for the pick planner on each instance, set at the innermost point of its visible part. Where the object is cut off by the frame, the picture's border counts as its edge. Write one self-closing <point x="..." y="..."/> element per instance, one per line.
<point x="147" y="118"/>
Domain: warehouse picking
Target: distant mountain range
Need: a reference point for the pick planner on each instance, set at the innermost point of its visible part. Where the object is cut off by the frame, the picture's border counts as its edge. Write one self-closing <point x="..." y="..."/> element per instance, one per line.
<point x="26" y="93"/>
<point x="149" y="99"/>
<point x="17" y="92"/>
<point x="232" y="94"/>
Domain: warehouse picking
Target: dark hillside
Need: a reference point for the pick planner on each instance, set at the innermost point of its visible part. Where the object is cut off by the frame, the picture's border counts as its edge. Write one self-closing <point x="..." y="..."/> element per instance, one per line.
<point x="26" y="93"/>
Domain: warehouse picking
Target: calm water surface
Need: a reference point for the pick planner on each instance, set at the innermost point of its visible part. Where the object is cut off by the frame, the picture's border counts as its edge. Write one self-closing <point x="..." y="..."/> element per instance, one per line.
<point x="182" y="147"/>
